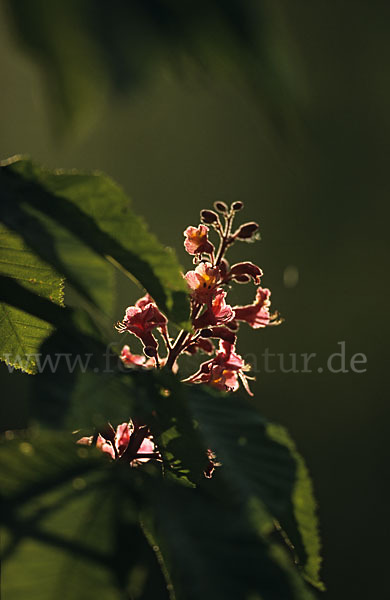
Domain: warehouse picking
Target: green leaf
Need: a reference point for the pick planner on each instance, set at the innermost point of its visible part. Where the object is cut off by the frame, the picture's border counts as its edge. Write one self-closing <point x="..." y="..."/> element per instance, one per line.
<point x="74" y="525"/>
<point x="70" y="524"/>
<point x="211" y="551"/>
<point x="68" y="329"/>
<point x="253" y="463"/>
<point x="73" y="328"/>
<point x="260" y="461"/>
<point x="304" y="509"/>
<point x="90" y="273"/>
<point x="89" y="211"/>
<point x="21" y="333"/>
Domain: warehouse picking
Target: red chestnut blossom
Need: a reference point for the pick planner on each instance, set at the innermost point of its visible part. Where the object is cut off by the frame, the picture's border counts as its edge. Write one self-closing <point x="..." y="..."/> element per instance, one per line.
<point x="117" y="446"/>
<point x="141" y="319"/>
<point x="216" y="313"/>
<point x="212" y="319"/>
<point x="203" y="282"/>
<point x="223" y="371"/>
<point x="196" y="241"/>
<point x="257" y="315"/>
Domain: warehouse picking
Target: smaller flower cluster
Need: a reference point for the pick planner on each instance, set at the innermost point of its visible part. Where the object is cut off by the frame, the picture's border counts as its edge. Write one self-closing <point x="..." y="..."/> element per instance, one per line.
<point x="127" y="442"/>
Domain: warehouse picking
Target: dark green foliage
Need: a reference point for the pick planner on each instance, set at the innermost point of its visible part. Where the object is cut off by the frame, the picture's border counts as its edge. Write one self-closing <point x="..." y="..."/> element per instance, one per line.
<point x="75" y="523"/>
<point x="78" y="225"/>
<point x="88" y="50"/>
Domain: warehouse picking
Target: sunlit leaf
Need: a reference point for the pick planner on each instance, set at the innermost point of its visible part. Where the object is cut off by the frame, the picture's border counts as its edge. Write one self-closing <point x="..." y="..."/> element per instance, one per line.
<point x="92" y="213"/>
<point x="21" y="333"/>
<point x="307" y="543"/>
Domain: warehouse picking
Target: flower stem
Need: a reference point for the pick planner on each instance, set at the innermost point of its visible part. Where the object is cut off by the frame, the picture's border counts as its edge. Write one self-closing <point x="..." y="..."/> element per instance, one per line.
<point x="181" y="340"/>
<point x="225" y="238"/>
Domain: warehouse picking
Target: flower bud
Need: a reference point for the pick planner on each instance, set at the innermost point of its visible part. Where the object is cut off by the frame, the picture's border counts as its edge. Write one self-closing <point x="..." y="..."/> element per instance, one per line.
<point x="246" y="231"/>
<point x="205" y="333"/>
<point x="242" y="278"/>
<point x="221" y="207"/>
<point x="208" y="216"/>
<point x="236" y="206"/>
<point x="242" y="272"/>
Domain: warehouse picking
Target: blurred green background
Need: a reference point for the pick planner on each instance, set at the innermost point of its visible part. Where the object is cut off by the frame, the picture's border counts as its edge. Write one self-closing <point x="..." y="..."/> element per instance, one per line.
<point x="306" y="148"/>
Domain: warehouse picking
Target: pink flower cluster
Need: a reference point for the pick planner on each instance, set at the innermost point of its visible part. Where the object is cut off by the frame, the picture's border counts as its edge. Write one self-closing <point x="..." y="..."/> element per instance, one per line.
<point x="212" y="317"/>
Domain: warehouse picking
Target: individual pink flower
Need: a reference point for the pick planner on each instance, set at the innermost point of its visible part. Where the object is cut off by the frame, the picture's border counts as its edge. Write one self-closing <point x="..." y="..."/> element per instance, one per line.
<point x="196" y="241"/>
<point x="223" y="371"/>
<point x="141" y="319"/>
<point x="257" y="315"/>
<point x="217" y="312"/>
<point x="134" y="360"/>
<point x="203" y="282"/>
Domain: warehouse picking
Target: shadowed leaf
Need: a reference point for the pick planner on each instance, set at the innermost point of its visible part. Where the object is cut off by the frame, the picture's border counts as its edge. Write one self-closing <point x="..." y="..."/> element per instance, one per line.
<point x="92" y="213"/>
